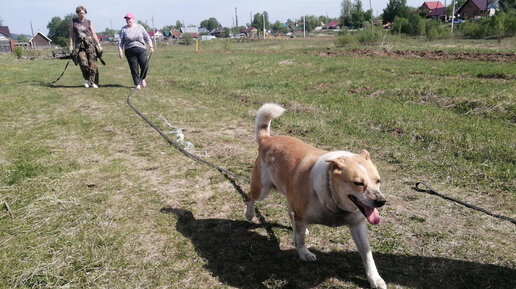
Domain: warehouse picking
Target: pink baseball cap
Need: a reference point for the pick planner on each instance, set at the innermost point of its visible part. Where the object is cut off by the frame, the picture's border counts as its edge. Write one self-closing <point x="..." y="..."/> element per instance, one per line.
<point x="129" y="15"/>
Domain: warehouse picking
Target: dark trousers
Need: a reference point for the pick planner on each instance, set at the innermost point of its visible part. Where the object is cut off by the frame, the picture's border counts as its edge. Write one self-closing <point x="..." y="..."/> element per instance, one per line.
<point x="137" y="59"/>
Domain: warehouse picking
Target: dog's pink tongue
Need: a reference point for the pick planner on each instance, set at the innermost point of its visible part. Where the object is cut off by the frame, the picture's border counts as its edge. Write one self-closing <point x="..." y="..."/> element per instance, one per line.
<point x="372" y="215"/>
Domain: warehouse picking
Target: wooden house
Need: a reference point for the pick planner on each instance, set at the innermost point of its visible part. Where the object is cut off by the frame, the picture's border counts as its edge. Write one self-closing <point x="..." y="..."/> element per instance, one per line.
<point x="39" y="40"/>
<point x="5" y="40"/>
<point x="433" y="9"/>
<point x="471" y="9"/>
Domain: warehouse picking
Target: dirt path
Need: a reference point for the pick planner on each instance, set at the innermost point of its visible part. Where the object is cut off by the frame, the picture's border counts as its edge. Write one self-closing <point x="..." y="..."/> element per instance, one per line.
<point x="424" y="54"/>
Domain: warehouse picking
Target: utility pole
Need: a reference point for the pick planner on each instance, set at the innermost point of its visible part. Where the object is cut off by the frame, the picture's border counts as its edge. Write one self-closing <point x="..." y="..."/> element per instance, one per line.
<point x="32" y="42"/>
<point x="236" y="17"/>
<point x="445" y="14"/>
<point x="372" y="14"/>
<point x="452" y="17"/>
<point x="263" y="17"/>
<point x="154" y="36"/>
<point x="304" y="26"/>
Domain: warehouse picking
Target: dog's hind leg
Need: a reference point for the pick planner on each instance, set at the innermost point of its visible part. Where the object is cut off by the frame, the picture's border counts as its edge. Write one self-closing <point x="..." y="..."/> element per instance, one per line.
<point x="261" y="184"/>
<point x="359" y="233"/>
<point x="299" y="232"/>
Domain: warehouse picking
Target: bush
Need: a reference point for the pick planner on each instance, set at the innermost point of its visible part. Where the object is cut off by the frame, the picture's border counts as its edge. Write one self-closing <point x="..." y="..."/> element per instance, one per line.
<point x="498" y="26"/>
<point x="475" y="30"/>
<point x="510" y="23"/>
<point x="370" y="37"/>
<point x="345" y="40"/>
<point x="18" y="51"/>
<point x="413" y="25"/>
<point x="399" y="25"/>
<point x="188" y="38"/>
<point x="435" y="30"/>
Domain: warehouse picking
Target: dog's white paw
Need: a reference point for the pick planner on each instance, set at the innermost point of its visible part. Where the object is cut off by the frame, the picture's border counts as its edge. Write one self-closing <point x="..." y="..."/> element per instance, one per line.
<point x="306" y="255"/>
<point x="249" y="212"/>
<point x="378" y="283"/>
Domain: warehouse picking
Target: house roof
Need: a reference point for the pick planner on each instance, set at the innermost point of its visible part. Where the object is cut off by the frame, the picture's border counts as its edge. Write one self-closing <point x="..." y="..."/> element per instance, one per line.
<point x="176" y="33"/>
<point x="481" y="4"/>
<point x="190" y="29"/>
<point x="5" y="30"/>
<point x="437" y="11"/>
<point x="433" y="4"/>
<point x="49" y="40"/>
<point x="333" y="23"/>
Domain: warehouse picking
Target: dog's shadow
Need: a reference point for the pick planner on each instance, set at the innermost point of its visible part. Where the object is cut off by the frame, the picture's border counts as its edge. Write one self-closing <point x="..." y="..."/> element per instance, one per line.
<point x="241" y="257"/>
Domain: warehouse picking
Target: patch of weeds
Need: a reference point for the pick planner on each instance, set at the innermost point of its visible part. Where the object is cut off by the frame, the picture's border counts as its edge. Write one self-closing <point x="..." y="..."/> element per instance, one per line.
<point x="191" y="173"/>
<point x="430" y="237"/>
<point x="417" y="219"/>
<point x="21" y="169"/>
<point x="274" y="282"/>
<point x="386" y="240"/>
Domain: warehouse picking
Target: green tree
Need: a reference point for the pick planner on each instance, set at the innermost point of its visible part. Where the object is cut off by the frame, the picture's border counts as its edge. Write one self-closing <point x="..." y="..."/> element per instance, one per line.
<point x="59" y="30"/>
<point x="179" y="25"/>
<point x="210" y="24"/>
<point x="497" y="23"/>
<point x="358" y="16"/>
<point x="22" y="38"/>
<point x="510" y="23"/>
<point x="395" y="8"/>
<point x="509" y="4"/>
<point x="188" y="38"/>
<point x="278" y="28"/>
<point x="258" y="21"/>
<point x="109" y="32"/>
<point x="311" y="22"/>
<point x="145" y="26"/>
<point x="345" y="12"/>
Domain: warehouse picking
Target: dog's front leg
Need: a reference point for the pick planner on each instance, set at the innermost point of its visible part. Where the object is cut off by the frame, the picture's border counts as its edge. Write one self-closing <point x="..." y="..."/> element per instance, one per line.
<point x="298" y="236"/>
<point x="359" y="233"/>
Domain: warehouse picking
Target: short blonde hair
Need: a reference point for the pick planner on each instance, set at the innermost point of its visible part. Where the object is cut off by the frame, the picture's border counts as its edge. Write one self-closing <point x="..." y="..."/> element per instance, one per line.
<point x="81" y="8"/>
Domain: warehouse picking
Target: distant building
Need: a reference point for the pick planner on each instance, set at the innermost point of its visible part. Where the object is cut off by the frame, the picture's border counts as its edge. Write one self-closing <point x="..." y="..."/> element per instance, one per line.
<point x="433" y="9"/>
<point x="477" y="8"/>
<point x="190" y="29"/>
<point x="6" y="43"/>
<point x="39" y="41"/>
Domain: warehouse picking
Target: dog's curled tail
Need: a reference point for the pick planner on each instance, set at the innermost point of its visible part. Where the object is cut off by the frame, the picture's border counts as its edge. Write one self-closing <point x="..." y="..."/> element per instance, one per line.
<point x="264" y="116"/>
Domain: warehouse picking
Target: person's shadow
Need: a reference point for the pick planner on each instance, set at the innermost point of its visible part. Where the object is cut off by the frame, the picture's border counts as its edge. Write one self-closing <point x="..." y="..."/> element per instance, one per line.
<point x="241" y="257"/>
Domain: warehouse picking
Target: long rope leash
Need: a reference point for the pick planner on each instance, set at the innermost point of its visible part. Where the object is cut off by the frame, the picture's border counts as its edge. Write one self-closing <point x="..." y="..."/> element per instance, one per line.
<point x="431" y="191"/>
<point x="174" y="143"/>
<point x="62" y="73"/>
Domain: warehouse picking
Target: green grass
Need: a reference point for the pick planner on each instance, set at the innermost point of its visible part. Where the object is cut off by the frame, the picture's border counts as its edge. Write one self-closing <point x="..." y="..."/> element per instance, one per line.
<point x="101" y="200"/>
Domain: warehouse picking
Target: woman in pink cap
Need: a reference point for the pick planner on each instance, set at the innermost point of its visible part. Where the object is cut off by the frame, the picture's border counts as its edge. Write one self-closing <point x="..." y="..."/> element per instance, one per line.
<point x="133" y="39"/>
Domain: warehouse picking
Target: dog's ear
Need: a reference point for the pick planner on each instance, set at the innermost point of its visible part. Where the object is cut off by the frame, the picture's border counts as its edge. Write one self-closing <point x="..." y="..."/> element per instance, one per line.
<point x="335" y="166"/>
<point x="365" y="154"/>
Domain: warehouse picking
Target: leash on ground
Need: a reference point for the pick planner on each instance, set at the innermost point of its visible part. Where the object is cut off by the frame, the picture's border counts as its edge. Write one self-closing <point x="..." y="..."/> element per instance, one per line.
<point x="176" y="144"/>
<point x="28" y="81"/>
<point x="62" y="73"/>
<point x="431" y="191"/>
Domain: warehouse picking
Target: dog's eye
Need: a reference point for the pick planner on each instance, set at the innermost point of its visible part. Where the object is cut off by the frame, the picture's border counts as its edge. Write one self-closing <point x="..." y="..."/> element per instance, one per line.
<point x="358" y="184"/>
<point x="378" y="181"/>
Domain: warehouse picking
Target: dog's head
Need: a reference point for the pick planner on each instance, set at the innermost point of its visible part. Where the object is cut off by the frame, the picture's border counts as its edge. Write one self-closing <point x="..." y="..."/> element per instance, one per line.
<point x="356" y="185"/>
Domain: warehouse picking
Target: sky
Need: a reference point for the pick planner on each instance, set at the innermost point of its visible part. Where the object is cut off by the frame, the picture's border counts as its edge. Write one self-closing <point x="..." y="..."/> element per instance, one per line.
<point x="31" y="16"/>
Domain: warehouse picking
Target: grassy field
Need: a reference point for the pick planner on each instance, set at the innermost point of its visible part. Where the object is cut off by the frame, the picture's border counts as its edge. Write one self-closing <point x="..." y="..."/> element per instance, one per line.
<point x="100" y="200"/>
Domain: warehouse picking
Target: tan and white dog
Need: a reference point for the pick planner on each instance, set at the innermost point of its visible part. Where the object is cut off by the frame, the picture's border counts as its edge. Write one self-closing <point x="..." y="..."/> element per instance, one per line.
<point x="330" y="188"/>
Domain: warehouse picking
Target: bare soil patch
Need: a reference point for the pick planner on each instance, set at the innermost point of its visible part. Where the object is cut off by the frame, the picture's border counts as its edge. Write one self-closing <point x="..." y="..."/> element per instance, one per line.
<point x="424" y="54"/>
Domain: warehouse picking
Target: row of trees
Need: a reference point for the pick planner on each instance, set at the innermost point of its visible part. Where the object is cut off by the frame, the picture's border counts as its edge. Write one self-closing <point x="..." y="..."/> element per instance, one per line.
<point x="405" y="20"/>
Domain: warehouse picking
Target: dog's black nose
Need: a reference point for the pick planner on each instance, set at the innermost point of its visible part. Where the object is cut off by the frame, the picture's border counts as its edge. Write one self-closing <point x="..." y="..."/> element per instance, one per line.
<point x="380" y="202"/>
